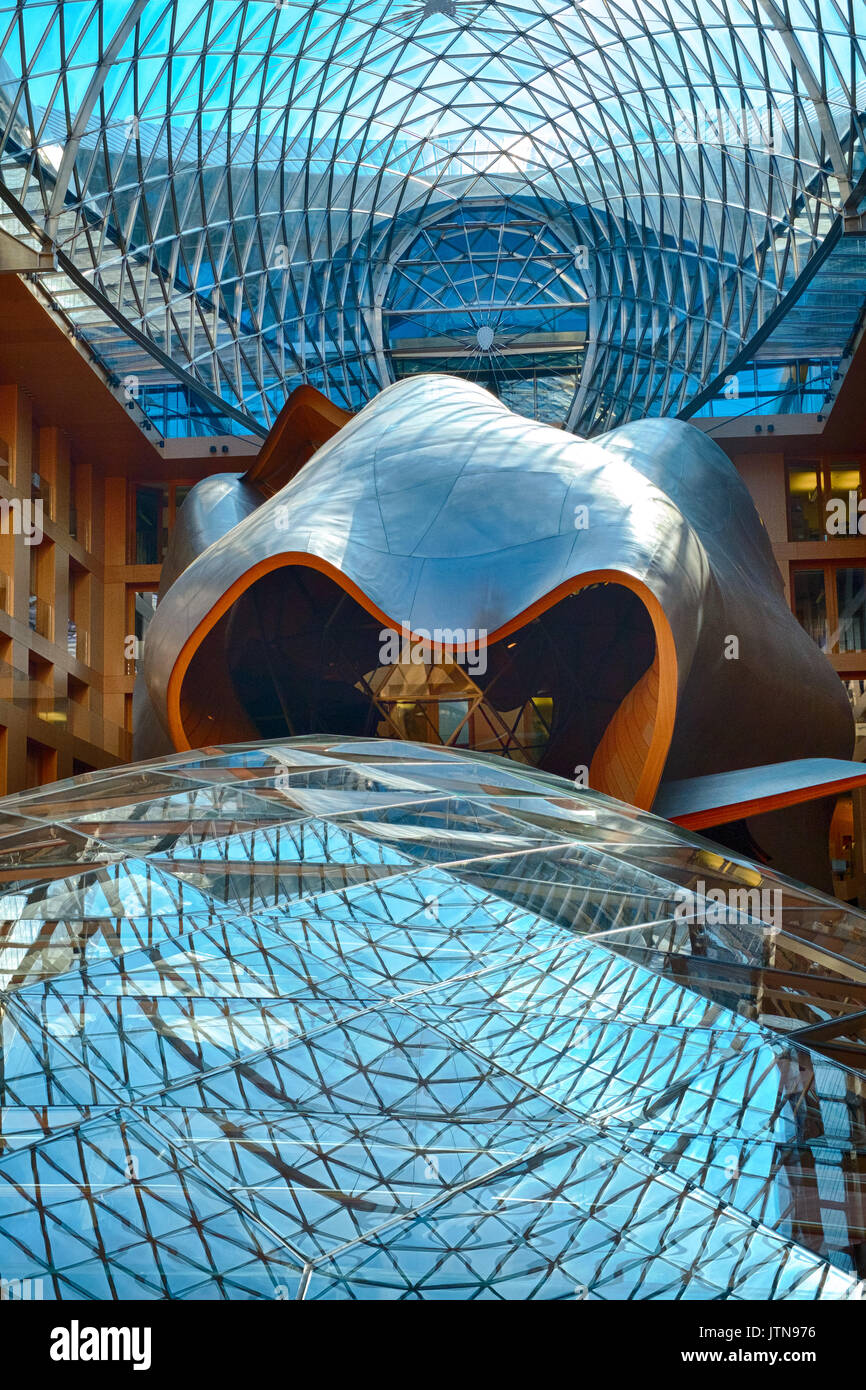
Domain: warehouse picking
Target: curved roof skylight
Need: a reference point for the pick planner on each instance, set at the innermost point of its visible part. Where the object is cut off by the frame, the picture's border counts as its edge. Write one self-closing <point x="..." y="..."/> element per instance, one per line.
<point x="233" y="187"/>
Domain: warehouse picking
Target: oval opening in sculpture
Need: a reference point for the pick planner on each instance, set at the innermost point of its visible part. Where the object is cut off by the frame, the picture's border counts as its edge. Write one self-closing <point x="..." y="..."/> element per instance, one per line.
<point x="584" y="679"/>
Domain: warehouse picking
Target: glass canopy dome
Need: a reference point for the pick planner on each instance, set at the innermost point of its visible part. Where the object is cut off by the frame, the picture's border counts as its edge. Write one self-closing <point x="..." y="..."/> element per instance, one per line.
<point x="239" y="194"/>
<point x="341" y="1019"/>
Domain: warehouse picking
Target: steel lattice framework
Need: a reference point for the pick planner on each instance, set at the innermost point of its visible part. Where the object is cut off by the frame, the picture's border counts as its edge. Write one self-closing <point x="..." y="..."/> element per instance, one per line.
<point x="232" y="187"/>
<point x="334" y="1019"/>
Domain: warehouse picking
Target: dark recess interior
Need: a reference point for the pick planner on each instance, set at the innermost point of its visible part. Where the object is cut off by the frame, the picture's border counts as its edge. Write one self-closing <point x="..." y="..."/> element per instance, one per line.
<point x="297" y="645"/>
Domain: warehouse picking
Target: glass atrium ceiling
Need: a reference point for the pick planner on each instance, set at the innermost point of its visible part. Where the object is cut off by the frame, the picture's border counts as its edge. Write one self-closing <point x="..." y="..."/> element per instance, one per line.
<point x="335" y="1019"/>
<point x="244" y="196"/>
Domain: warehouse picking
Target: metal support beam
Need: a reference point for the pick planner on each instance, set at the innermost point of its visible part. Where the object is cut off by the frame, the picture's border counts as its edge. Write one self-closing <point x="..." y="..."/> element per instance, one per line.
<point x="18" y="259"/>
<point x="85" y="111"/>
<point x="815" y="92"/>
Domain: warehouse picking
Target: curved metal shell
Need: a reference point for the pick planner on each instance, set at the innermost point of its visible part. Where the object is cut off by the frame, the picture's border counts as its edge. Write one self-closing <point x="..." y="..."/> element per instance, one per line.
<point x="438" y="508"/>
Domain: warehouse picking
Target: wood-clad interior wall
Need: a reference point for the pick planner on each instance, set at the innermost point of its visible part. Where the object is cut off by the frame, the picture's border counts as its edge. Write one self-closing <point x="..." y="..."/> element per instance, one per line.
<point x="68" y="443"/>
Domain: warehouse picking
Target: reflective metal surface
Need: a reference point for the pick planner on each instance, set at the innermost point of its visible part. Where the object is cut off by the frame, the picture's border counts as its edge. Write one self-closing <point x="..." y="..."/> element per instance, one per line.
<point x="344" y="1019"/>
<point x="436" y="507"/>
<point x="716" y="800"/>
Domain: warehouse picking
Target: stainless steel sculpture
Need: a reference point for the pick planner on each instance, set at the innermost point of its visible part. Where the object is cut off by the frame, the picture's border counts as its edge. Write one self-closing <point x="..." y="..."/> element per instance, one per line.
<point x="631" y="615"/>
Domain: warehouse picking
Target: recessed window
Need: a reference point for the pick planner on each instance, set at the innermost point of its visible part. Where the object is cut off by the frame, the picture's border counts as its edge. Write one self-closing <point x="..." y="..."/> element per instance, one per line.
<point x="851" y="607"/>
<point x="78" y="619"/>
<point x="810" y="604"/>
<point x="155" y="510"/>
<point x="150" y="506"/>
<point x="823" y="500"/>
<point x="805" y="521"/>
<point x="830" y="603"/>
<point x="41" y="604"/>
<point x="142" y="606"/>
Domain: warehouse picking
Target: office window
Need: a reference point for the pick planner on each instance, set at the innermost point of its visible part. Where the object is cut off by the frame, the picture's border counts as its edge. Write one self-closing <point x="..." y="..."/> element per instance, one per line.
<point x="150" y="507"/>
<point x="78" y="620"/>
<point x="41" y="602"/>
<point x="155" y="509"/>
<point x="142" y="606"/>
<point x="815" y="492"/>
<point x="851" y="607"/>
<point x="845" y="484"/>
<point x="810" y="604"/>
<point x="805" y="519"/>
<point x="829" y="601"/>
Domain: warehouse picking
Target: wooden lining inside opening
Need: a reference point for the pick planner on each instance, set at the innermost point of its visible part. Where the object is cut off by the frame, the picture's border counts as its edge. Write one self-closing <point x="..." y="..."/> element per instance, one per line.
<point x="627" y="762"/>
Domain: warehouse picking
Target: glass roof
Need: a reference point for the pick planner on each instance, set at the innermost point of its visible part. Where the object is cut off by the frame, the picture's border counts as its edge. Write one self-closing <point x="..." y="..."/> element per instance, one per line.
<point x="237" y="190"/>
<point x="334" y="1019"/>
